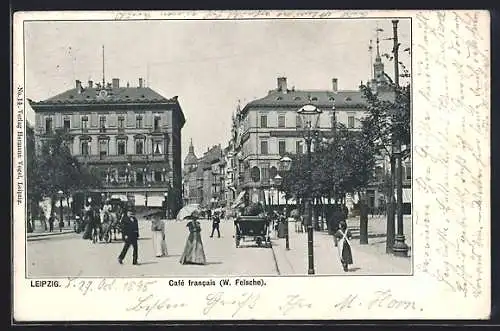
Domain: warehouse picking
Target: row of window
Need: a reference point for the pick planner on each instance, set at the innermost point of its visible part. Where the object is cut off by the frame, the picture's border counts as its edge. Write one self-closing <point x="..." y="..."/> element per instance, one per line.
<point x="141" y="176"/>
<point x="266" y="173"/>
<point x="264" y="147"/>
<point x="298" y="121"/>
<point x="84" y="123"/>
<point x="121" y="147"/>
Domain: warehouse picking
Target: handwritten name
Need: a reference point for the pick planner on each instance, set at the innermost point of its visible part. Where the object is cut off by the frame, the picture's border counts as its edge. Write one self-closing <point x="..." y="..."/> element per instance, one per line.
<point x="381" y="299"/>
<point x="294" y="302"/>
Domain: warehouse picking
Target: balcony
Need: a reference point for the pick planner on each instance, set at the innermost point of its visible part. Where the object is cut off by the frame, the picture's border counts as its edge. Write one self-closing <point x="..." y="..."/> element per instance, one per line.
<point x="135" y="184"/>
<point x="121" y="158"/>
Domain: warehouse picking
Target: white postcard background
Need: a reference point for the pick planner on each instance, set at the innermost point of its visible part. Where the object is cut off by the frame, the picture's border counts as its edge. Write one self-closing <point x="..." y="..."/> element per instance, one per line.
<point x="451" y="205"/>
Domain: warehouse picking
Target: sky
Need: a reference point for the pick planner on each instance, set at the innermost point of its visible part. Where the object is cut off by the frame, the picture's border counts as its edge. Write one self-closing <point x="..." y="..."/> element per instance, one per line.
<point x="210" y="65"/>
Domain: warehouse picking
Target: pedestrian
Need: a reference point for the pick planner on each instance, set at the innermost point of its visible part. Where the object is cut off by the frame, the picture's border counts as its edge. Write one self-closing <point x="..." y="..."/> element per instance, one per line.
<point x="215" y="224"/>
<point x="344" y="248"/>
<point x="131" y="234"/>
<point x="193" y="251"/>
<point x="209" y="212"/>
<point x="61" y="225"/>
<point x="158" y="229"/>
<point x="52" y="219"/>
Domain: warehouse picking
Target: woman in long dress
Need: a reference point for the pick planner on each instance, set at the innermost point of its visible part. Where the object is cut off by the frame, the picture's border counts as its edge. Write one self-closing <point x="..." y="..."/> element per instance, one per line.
<point x="193" y="251"/>
<point x="344" y="246"/>
<point x="159" y="241"/>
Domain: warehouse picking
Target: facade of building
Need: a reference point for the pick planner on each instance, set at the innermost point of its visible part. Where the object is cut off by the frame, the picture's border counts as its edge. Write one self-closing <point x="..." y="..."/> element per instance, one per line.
<point x="204" y="178"/>
<point x="131" y="135"/>
<point x="266" y="129"/>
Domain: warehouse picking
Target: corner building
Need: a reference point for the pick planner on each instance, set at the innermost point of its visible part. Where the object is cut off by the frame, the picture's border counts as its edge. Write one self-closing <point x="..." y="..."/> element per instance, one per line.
<point x="130" y="135"/>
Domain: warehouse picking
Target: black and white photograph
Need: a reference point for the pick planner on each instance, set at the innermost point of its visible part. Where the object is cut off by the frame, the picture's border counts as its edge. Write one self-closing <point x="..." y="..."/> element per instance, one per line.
<point x="279" y="146"/>
<point x="252" y="152"/>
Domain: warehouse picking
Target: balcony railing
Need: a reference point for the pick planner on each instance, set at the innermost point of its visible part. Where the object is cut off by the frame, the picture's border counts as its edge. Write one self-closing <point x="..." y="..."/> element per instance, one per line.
<point x="134" y="184"/>
<point x="121" y="158"/>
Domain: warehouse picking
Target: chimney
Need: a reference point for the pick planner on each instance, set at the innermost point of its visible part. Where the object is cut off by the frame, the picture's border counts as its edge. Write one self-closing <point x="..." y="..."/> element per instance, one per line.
<point x="116" y="82"/>
<point x="282" y="84"/>
<point x="78" y="86"/>
<point x="91" y="84"/>
<point x="335" y="84"/>
<point x="140" y="82"/>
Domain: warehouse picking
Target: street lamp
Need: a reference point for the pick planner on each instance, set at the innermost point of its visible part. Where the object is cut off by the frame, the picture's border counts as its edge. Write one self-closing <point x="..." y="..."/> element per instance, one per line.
<point x="146" y="195"/>
<point x="400" y="248"/>
<point x="285" y="163"/>
<point x="278" y="180"/>
<point x="310" y="117"/>
<point x="165" y="204"/>
<point x="60" y="193"/>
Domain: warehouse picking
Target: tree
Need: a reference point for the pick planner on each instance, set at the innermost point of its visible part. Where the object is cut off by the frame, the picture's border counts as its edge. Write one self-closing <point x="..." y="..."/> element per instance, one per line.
<point x="54" y="169"/>
<point x="388" y="122"/>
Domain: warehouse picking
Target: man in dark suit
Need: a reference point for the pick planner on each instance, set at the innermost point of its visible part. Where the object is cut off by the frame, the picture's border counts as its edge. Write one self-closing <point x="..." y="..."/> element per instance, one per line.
<point x="131" y="234"/>
<point x="215" y="224"/>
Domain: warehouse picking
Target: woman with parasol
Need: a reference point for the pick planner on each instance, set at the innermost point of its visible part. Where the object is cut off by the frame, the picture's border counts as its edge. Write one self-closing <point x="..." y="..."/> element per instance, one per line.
<point x="193" y="251"/>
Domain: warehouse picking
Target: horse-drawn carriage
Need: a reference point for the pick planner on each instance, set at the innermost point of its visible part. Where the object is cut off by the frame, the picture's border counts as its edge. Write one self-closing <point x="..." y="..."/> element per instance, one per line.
<point x="252" y="228"/>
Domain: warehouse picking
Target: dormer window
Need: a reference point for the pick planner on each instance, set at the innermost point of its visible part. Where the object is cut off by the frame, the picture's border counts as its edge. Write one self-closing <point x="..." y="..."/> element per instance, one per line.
<point x="279" y="98"/>
<point x="314" y="99"/>
<point x="348" y="99"/>
<point x="331" y="99"/>
<point x="296" y="98"/>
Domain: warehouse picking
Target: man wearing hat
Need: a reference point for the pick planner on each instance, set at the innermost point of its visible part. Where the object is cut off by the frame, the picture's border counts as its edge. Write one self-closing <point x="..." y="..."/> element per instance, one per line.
<point x="131" y="234"/>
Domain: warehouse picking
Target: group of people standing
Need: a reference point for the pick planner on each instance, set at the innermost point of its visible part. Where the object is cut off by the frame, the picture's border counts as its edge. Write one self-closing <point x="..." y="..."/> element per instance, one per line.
<point x="193" y="250"/>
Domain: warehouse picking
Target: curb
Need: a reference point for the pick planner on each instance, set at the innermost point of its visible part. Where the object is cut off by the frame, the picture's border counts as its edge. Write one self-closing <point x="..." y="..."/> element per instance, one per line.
<point x="275" y="260"/>
<point x="38" y="235"/>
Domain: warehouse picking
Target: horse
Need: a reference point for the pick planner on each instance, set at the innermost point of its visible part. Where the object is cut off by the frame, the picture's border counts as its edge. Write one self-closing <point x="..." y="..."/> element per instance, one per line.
<point x="93" y="219"/>
<point x="111" y="225"/>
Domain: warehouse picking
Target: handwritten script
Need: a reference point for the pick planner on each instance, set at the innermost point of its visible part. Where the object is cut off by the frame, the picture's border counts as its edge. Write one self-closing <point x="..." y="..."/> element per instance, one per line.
<point x="451" y="145"/>
<point x="236" y="302"/>
<point x="379" y="299"/>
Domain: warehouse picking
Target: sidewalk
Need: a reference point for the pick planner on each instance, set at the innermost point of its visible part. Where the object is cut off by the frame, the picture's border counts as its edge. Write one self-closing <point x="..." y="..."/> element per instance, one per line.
<point x="47" y="234"/>
<point x="368" y="259"/>
<point x="41" y="232"/>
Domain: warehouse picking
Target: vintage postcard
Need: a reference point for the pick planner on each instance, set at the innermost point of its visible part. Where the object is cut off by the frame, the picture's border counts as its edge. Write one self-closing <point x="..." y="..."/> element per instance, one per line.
<point x="251" y="165"/>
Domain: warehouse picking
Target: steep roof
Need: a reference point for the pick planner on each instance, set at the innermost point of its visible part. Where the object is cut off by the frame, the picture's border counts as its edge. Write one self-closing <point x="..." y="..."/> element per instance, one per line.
<point x="110" y="96"/>
<point x="321" y="98"/>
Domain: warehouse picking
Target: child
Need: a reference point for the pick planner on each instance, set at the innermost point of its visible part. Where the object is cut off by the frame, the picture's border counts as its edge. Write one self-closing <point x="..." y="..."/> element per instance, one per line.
<point x="343" y="235"/>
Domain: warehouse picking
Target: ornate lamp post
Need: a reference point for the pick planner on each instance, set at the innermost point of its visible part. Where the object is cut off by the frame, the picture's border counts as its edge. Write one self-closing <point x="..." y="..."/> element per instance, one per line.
<point x="310" y="117"/>
<point x="271" y="193"/>
<point x="165" y="204"/>
<point x="146" y="195"/>
<point x="285" y="164"/>
<point x="60" y="194"/>
<point x="278" y="180"/>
